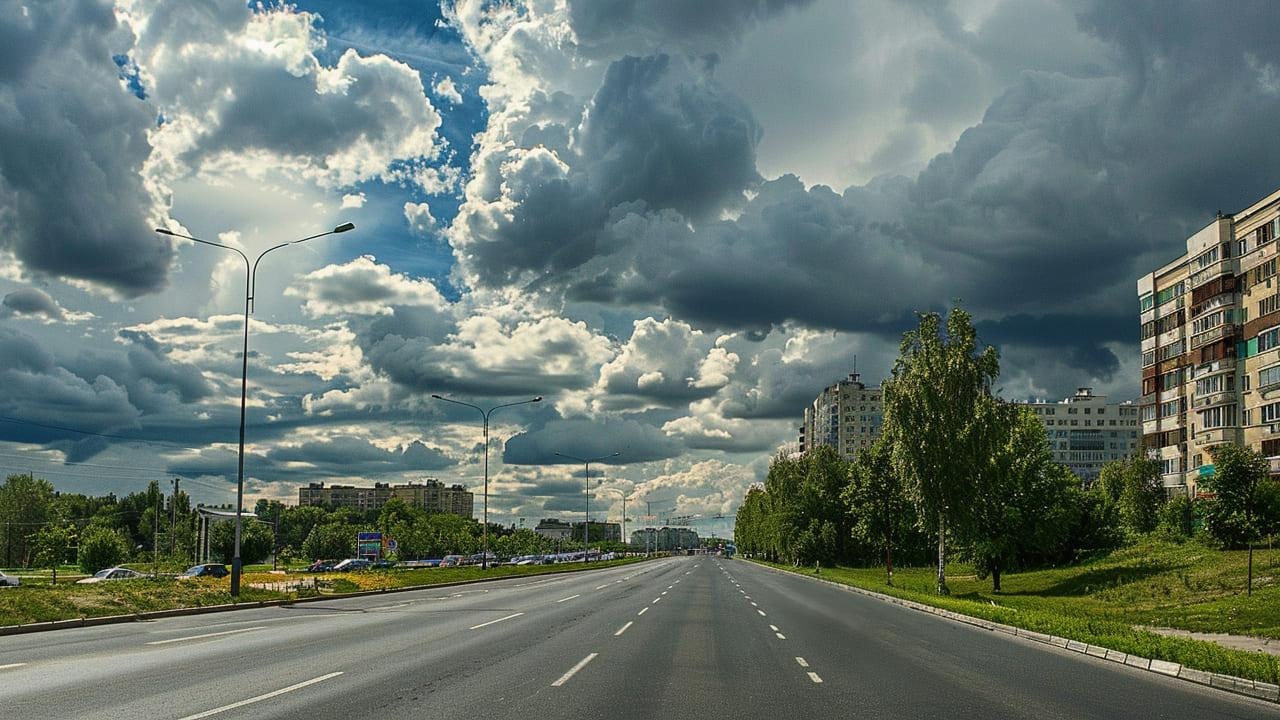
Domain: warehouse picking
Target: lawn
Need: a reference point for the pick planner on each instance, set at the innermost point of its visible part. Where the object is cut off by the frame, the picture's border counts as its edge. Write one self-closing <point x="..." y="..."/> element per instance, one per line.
<point x="38" y="601"/>
<point x="1106" y="601"/>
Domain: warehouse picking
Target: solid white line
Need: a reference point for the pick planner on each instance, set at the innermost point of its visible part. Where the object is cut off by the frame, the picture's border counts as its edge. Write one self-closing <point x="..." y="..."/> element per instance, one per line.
<point x="513" y="615"/>
<point x="581" y="664"/>
<point x="11" y="665"/>
<point x="814" y="677"/>
<point x="642" y="611"/>
<point x="207" y="635"/>
<point x="761" y="613"/>
<point x="802" y="662"/>
<point x="781" y="636"/>
<point x="569" y="598"/>
<point x="623" y="628"/>
<point x="260" y="698"/>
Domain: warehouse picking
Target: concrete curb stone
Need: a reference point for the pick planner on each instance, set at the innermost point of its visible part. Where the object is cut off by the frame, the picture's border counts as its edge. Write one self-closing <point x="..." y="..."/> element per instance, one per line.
<point x="1227" y="683"/>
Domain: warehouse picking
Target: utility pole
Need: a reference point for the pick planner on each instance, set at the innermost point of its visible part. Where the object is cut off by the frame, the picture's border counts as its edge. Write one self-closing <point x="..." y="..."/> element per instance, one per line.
<point x="155" y="538"/>
<point x="173" y="521"/>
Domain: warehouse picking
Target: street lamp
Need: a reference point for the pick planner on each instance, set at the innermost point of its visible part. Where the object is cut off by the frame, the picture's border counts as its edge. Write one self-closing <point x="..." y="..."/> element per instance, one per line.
<point x="624" y="511"/>
<point x="250" y="282"/>
<point x="586" y="525"/>
<point x="484" y="531"/>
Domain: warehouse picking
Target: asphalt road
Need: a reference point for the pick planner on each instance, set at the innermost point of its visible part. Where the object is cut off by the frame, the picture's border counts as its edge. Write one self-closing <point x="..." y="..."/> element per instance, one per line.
<point x="672" y="638"/>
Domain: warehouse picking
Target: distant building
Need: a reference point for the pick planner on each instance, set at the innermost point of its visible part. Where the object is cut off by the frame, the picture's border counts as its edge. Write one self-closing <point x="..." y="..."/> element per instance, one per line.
<point x="1085" y="432"/>
<point x="667" y="538"/>
<point x="430" y="495"/>
<point x="597" y="531"/>
<point x="553" y="529"/>
<point x="847" y="416"/>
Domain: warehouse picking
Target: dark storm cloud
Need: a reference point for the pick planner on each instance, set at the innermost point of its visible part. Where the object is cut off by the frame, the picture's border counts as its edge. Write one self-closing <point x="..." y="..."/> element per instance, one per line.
<point x="637" y="442"/>
<point x="336" y="456"/>
<point x="72" y="201"/>
<point x="154" y="381"/>
<point x="30" y="301"/>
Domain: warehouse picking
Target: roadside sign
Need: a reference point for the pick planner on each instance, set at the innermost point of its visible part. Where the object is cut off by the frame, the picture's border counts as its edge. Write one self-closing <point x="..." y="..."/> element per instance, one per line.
<point x="392" y="545"/>
<point x="369" y="545"/>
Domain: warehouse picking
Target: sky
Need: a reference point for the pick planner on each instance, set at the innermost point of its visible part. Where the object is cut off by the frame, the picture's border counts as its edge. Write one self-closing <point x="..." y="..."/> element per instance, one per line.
<point x="676" y="222"/>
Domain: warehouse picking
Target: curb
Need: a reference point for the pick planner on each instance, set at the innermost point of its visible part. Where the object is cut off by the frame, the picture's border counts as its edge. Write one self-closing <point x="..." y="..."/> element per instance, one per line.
<point x="206" y="609"/>
<point x="1229" y="683"/>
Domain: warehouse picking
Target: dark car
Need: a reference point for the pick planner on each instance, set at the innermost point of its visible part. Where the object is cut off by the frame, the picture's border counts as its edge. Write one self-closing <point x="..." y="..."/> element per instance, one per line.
<point x="213" y="570"/>
<point x="322" y="565"/>
<point x="383" y="564"/>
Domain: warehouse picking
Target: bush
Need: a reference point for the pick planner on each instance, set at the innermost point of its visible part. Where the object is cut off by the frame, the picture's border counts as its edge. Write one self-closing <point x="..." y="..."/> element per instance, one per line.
<point x="1177" y="518"/>
<point x="102" y="547"/>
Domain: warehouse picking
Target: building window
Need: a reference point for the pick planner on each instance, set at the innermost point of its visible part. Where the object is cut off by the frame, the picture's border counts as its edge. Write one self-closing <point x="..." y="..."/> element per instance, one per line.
<point x="1268" y="376"/>
<point x="1224" y="416"/>
<point x="1268" y="339"/>
<point x="1270" y="412"/>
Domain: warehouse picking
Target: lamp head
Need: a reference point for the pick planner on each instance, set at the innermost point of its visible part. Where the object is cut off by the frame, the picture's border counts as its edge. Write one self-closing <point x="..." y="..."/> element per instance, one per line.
<point x="538" y="399"/>
<point x="344" y="227"/>
<point x="436" y="396"/>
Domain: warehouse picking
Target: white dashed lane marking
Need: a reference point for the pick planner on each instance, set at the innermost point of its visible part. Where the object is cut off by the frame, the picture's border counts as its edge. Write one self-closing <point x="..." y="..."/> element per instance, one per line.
<point x="573" y="670"/>
<point x="802" y="662"/>
<point x="624" y="628"/>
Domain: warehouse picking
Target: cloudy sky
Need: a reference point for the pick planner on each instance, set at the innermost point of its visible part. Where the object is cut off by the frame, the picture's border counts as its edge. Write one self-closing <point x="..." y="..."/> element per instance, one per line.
<point x="676" y="221"/>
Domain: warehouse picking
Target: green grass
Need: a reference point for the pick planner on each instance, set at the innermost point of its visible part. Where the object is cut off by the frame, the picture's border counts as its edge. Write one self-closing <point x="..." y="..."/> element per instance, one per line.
<point x="1107" y="601"/>
<point x="38" y="601"/>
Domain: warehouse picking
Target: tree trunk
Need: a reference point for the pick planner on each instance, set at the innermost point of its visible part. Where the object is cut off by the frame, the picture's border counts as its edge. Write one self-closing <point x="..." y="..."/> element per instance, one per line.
<point x="995" y="579"/>
<point x="1249" y="586"/>
<point x="942" y="557"/>
<point x="888" y="561"/>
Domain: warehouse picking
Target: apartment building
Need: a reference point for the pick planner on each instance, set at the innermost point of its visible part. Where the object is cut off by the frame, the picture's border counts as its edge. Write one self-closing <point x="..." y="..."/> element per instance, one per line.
<point x="597" y="531"/>
<point x="430" y="495"/>
<point x="846" y="416"/>
<point x="1210" y="331"/>
<point x="667" y="538"/>
<point x="1086" y="432"/>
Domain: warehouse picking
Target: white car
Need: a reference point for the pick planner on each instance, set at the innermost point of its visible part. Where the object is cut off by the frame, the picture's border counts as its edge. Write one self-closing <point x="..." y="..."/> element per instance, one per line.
<point x="9" y="580"/>
<point x="114" y="573"/>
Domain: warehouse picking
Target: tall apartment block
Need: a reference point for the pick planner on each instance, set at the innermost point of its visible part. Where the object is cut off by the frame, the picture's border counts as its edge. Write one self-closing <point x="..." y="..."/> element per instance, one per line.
<point x="846" y="416"/>
<point x="432" y="496"/>
<point x="1086" y="432"/>
<point x="1210" y="333"/>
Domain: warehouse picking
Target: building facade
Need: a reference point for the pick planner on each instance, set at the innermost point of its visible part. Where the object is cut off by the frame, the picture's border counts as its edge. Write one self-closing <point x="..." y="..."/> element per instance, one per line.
<point x="597" y="531"/>
<point x="430" y="495"/>
<point x="667" y="538"/>
<point x="1086" y="432"/>
<point x="1210" y="324"/>
<point x="846" y="416"/>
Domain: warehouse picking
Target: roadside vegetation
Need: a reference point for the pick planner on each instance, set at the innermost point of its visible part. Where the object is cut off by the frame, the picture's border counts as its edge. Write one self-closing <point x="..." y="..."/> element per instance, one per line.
<point x="38" y="600"/>
<point x="960" y="505"/>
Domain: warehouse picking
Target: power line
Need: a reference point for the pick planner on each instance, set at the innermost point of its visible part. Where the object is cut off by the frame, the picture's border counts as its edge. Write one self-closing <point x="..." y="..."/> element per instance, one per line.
<point x="64" y="428"/>
<point x="158" y="471"/>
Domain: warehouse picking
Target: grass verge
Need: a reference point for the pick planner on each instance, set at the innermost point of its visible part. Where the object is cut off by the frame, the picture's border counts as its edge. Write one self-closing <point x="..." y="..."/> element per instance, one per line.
<point x="1107" y="601"/>
<point x="38" y="602"/>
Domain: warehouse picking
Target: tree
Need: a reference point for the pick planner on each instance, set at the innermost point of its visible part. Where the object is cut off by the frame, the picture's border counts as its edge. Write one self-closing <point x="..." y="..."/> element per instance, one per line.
<point x="102" y="547"/>
<point x="296" y="523"/>
<point x="1242" y="491"/>
<point x="931" y="403"/>
<point x="25" y="503"/>
<point x="1177" y="518"/>
<point x="1132" y="490"/>
<point x="52" y="544"/>
<point x="1023" y="504"/>
<point x="330" y="541"/>
<point x="882" y="513"/>
<point x="256" y="540"/>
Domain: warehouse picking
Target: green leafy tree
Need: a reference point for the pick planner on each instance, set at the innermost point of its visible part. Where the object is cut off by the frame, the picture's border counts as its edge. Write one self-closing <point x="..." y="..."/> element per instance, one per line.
<point x="1132" y="491"/>
<point x="882" y="513"/>
<point x="256" y="540"/>
<point x="1177" y="518"/>
<point x="1242" y="490"/>
<point x="931" y="405"/>
<point x="330" y="541"/>
<point x="296" y="523"/>
<point x="52" y="545"/>
<point x="102" y="547"/>
<point x="25" y="504"/>
<point x="1023" y="507"/>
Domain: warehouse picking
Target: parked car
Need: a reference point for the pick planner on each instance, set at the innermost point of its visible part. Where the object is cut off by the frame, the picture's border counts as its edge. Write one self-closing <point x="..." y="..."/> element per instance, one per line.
<point x="353" y="564"/>
<point x="112" y="573"/>
<point x="383" y="564"/>
<point x="322" y="565"/>
<point x="453" y="561"/>
<point x="9" y="580"/>
<point x="213" y="570"/>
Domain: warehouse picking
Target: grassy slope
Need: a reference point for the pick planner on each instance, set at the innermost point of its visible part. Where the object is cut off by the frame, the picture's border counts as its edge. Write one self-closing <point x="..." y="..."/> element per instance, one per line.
<point x="41" y="602"/>
<point x="1101" y="601"/>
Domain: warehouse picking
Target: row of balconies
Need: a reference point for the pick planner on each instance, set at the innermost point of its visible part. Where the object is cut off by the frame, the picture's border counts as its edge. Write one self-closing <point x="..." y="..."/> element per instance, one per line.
<point x="1224" y="266"/>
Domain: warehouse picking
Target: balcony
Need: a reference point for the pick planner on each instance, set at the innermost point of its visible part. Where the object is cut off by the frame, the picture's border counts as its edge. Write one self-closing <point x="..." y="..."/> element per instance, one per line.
<point x="1211" y="335"/>
<point x="1275" y="465"/>
<point x="1226" y="299"/>
<point x="1220" y="365"/>
<point x="1257" y="257"/>
<point x="1219" y="398"/>
<point x="1225" y="266"/>
<point x="1172" y="480"/>
<point x="1216" y="436"/>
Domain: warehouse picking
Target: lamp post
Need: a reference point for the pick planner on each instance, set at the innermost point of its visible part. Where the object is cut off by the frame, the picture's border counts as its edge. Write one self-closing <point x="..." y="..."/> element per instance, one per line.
<point x="250" y="281"/>
<point x="586" y="525"/>
<point x="484" y="530"/>
<point x="624" y="512"/>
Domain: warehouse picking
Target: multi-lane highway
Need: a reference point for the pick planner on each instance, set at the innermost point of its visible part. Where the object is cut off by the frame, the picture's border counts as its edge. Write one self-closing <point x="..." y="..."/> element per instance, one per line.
<point x="671" y="638"/>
